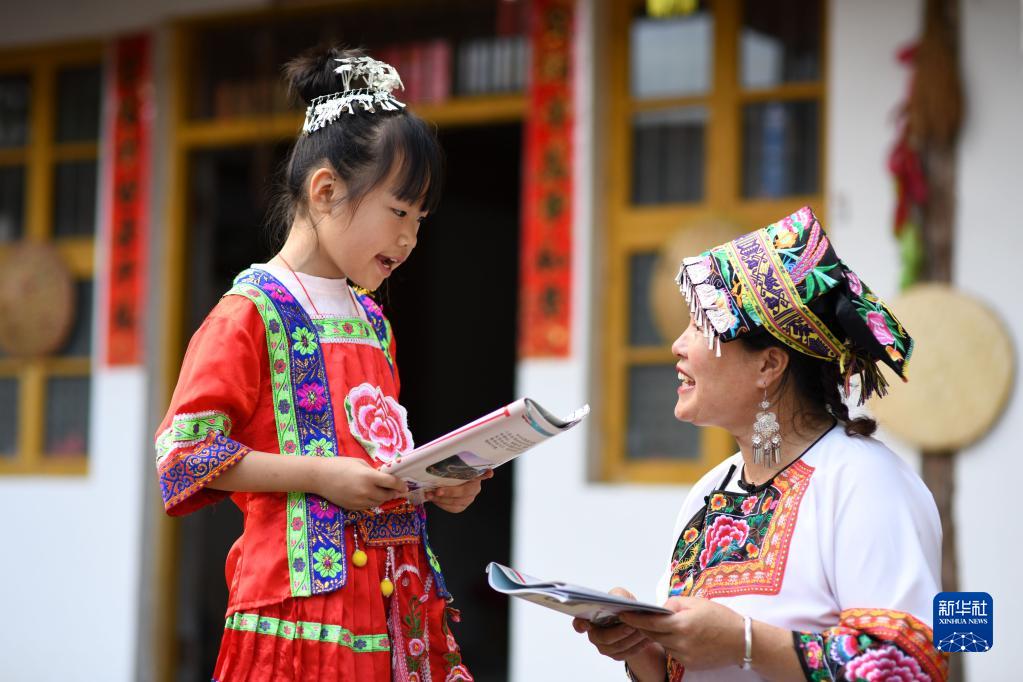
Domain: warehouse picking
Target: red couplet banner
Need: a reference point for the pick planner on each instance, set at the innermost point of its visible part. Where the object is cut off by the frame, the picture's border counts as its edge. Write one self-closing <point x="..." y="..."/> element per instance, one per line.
<point x="546" y="241"/>
<point x="130" y="95"/>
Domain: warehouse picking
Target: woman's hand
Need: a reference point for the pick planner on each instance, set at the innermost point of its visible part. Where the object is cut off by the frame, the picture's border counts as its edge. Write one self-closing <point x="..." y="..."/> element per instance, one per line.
<point x="353" y="484"/>
<point x="700" y="635"/>
<point x="624" y="643"/>
<point x="457" y="498"/>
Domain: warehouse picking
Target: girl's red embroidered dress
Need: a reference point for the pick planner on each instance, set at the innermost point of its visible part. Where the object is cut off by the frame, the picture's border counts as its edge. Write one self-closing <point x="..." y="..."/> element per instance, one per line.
<point x="261" y="374"/>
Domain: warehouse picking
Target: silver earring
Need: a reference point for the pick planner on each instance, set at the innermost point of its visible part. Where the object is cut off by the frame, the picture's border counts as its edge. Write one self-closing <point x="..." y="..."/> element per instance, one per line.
<point x="766" y="436"/>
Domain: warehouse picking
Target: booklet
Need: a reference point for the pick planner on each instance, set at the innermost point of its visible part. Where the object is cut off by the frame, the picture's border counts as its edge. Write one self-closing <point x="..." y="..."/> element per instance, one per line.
<point x="484" y="444"/>
<point x="600" y="608"/>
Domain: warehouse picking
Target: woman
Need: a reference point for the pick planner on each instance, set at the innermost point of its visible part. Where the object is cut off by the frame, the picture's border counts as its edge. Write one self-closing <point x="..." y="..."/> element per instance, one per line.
<point x="813" y="553"/>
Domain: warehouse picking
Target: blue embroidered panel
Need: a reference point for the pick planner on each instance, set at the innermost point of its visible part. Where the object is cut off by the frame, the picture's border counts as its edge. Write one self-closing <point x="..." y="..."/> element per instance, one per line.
<point x="380" y="326"/>
<point x="316" y="434"/>
<point x="438" y="577"/>
<point x="181" y="475"/>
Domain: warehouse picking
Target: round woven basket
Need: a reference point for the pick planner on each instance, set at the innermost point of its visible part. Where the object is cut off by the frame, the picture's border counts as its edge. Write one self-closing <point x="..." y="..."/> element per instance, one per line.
<point x="37" y="299"/>
<point x="960" y="374"/>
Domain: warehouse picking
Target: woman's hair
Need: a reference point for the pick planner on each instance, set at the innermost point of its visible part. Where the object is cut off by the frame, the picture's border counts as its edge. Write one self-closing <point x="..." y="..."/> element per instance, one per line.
<point x="364" y="148"/>
<point x="816" y="382"/>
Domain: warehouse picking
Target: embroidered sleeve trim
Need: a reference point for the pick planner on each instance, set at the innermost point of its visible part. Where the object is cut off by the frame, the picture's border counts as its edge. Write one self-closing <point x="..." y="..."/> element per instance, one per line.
<point x="188" y="430"/>
<point x="309" y="631"/>
<point x="867" y="641"/>
<point x="188" y="471"/>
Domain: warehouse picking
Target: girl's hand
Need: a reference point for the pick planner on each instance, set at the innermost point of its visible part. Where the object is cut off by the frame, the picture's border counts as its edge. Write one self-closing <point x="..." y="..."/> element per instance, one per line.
<point x="700" y="635"/>
<point x="623" y="642"/>
<point x="353" y="484"/>
<point x="458" y="497"/>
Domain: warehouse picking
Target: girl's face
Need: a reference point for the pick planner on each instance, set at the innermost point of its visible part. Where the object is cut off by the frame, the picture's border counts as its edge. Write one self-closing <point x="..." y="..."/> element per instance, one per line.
<point x="716" y="391"/>
<point x="367" y="242"/>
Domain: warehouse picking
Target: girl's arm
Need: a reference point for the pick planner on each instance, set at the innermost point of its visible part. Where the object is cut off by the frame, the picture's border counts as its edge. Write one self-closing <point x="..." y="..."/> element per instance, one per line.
<point x="346" y="481"/>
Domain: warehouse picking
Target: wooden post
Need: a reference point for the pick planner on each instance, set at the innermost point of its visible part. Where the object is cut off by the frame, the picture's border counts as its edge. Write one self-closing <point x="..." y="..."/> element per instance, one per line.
<point x="935" y="117"/>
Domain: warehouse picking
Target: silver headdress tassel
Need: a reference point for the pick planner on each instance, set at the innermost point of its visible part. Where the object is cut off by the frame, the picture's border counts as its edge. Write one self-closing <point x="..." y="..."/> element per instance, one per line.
<point x="380" y="79"/>
<point x="710" y="317"/>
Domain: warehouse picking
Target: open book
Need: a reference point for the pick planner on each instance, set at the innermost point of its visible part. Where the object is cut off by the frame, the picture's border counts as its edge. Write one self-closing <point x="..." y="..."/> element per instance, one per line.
<point x="484" y="444"/>
<point x="597" y="607"/>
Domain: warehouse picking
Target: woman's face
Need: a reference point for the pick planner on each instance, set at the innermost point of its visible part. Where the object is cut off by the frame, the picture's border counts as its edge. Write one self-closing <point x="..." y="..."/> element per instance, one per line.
<point x="716" y="391"/>
<point x="369" y="243"/>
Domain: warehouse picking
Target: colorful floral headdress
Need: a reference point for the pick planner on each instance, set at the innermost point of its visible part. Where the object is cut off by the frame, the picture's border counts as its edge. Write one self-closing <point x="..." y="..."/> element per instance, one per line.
<point x="380" y="80"/>
<point x="782" y="279"/>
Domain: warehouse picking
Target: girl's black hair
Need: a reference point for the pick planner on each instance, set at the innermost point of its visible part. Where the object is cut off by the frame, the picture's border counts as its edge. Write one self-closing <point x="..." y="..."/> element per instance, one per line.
<point x="816" y="381"/>
<point x="363" y="148"/>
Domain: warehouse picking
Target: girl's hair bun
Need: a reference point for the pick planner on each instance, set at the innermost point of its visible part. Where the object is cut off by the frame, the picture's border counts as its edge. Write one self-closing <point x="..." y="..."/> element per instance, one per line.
<point x="311" y="74"/>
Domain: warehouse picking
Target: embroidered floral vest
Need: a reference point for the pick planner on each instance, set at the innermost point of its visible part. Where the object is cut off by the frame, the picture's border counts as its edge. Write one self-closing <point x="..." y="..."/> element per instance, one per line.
<point x="306" y="427"/>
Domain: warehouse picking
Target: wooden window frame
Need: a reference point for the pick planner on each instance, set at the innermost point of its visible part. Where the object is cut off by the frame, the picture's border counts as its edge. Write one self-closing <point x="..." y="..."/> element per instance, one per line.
<point x="632" y="229"/>
<point x="40" y="157"/>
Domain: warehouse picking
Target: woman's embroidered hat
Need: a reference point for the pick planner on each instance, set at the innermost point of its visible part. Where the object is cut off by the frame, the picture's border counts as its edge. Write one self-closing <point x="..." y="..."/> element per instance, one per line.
<point x="783" y="279"/>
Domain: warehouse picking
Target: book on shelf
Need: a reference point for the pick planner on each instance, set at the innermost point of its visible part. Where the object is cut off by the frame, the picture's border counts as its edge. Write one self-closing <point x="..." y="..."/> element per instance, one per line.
<point x="481" y="445"/>
<point x="598" y="607"/>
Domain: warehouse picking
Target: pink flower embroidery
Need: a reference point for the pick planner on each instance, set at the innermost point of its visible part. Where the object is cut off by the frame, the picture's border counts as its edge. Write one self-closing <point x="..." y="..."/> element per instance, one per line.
<point x="721" y="535"/>
<point x="749" y="505"/>
<point x="885" y="663"/>
<point x="879" y="328"/>
<point x="812" y="651"/>
<point x="322" y="509"/>
<point x="458" y="673"/>
<point x="277" y="292"/>
<point x="378" y="422"/>
<point x="855" y="285"/>
<point x="416" y="647"/>
<point x="310" y="397"/>
<point x="452" y="646"/>
<point x="280" y="366"/>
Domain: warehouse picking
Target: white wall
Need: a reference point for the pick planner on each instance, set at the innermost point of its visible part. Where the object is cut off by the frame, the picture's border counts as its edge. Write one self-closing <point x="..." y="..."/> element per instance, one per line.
<point x="987" y="265"/>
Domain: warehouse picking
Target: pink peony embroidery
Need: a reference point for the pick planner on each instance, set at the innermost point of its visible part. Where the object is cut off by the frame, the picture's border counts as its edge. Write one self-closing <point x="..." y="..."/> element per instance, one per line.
<point x="416" y="647"/>
<point x="879" y="328"/>
<point x="722" y="534"/>
<point x="855" y="285"/>
<point x="378" y="422"/>
<point x="885" y="663"/>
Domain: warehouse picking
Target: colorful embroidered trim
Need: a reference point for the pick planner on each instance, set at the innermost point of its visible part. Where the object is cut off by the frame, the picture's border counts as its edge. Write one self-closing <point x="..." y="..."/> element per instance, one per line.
<point x="741" y="545"/>
<point x="287" y="430"/>
<point x="380" y="325"/>
<point x="189" y="471"/>
<point x="400" y="526"/>
<point x="316" y="548"/>
<point x="345" y="330"/>
<point x="770" y="296"/>
<point x="867" y="642"/>
<point x="187" y="430"/>
<point x="313" y="632"/>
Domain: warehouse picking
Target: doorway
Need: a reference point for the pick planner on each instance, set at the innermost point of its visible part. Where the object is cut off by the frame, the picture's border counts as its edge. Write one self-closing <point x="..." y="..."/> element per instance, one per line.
<point x="453" y="307"/>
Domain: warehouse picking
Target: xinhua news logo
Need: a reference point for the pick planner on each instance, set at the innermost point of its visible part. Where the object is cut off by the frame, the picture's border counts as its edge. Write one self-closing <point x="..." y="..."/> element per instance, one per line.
<point x="963" y="621"/>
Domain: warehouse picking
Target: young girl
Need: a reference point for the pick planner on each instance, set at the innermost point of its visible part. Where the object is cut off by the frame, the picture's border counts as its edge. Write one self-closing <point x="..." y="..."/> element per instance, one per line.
<point x="287" y="402"/>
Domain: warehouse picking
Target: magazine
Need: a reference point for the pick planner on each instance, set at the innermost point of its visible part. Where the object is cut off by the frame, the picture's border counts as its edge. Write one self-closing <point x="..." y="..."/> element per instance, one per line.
<point x="600" y="608"/>
<point x="477" y="447"/>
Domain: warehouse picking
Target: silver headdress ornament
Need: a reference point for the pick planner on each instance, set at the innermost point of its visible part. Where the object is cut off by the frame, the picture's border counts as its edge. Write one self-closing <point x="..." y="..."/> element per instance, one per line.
<point x="380" y="78"/>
